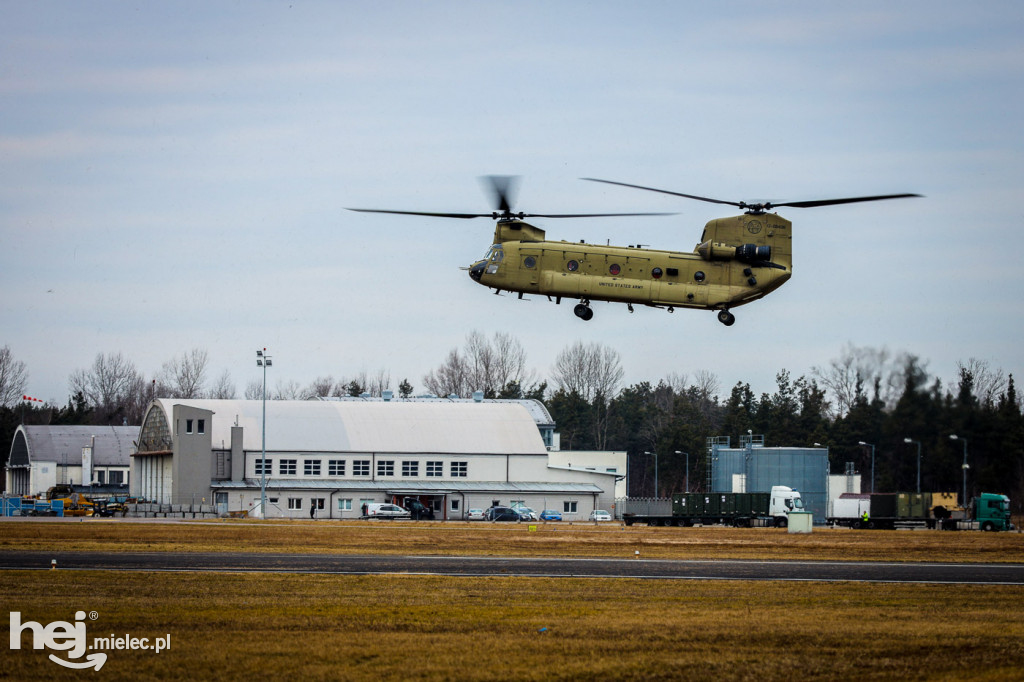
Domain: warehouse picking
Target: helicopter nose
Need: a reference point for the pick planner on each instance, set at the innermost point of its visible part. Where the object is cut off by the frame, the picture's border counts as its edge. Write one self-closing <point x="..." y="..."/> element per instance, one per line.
<point x="477" y="270"/>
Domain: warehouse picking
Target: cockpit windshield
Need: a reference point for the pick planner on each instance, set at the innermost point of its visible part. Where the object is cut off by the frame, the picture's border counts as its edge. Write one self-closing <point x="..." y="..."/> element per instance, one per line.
<point x="495" y="254"/>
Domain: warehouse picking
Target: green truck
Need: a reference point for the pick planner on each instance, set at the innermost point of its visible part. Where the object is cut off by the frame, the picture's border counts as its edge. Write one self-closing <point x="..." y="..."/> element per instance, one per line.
<point x="988" y="511"/>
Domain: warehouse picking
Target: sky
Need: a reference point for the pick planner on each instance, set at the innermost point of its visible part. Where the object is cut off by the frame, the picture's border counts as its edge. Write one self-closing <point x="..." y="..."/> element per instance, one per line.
<point x="176" y="176"/>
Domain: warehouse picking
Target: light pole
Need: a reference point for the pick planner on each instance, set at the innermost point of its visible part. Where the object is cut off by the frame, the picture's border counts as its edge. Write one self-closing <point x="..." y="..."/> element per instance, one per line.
<point x="687" y="468"/>
<point x="963" y="500"/>
<point x="655" y="472"/>
<point x="911" y="440"/>
<point x="263" y="360"/>
<point x="872" y="463"/>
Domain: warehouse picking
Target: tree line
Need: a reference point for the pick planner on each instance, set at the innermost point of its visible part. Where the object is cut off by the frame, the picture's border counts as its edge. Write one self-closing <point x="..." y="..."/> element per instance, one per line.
<point x="869" y="407"/>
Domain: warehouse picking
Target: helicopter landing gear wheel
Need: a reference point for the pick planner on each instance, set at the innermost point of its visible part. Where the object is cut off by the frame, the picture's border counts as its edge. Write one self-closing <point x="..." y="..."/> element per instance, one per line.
<point x="583" y="311"/>
<point x="726" y="318"/>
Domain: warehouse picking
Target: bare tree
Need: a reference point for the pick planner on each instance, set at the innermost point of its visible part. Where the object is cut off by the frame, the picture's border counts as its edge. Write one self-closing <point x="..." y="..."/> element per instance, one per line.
<point x="13" y="378"/>
<point x="184" y="376"/>
<point x="288" y="390"/>
<point x="483" y="365"/>
<point x="254" y="390"/>
<point x="113" y="387"/>
<point x="321" y="387"/>
<point x="223" y="388"/>
<point x="988" y="384"/>
<point x="589" y="370"/>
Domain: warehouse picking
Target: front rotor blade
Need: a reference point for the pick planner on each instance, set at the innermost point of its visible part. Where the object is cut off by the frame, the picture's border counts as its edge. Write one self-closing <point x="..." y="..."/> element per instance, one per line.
<point x="850" y="200"/>
<point x="585" y="215"/>
<point x="503" y="190"/>
<point x="665" y="191"/>
<point x="436" y="215"/>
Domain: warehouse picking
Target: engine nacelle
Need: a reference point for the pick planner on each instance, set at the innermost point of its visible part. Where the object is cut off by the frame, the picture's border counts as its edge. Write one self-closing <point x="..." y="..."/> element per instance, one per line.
<point x="745" y="253"/>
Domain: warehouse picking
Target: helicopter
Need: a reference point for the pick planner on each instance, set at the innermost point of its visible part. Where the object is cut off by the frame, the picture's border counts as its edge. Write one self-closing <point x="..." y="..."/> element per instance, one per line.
<point x="738" y="260"/>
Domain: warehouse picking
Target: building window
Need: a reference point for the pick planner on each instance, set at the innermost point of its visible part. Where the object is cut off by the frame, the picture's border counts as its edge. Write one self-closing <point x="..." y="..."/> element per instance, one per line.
<point x="361" y="467"/>
<point x="115" y="477"/>
<point x="459" y="469"/>
<point x="455" y="505"/>
<point x="311" y="467"/>
<point x="288" y="467"/>
<point x="569" y="507"/>
<point x="336" y="467"/>
<point x="345" y="504"/>
<point x="259" y="466"/>
<point x="363" y="504"/>
<point x="435" y="469"/>
<point x="188" y="426"/>
<point x="386" y="467"/>
<point x="317" y="502"/>
<point x="294" y="503"/>
<point x="410" y="468"/>
<point x="612" y="470"/>
<point x="200" y="426"/>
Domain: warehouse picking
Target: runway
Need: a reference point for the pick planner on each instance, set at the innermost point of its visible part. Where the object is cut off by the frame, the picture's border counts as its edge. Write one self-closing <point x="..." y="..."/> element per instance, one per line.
<point x="476" y="566"/>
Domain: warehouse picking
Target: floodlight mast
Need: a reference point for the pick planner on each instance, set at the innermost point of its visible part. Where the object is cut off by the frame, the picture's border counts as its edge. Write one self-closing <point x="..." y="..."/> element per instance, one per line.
<point x="263" y="360"/>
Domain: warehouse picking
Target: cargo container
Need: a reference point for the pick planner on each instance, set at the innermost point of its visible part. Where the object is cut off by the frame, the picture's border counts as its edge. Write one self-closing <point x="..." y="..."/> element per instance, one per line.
<point x="734" y="509"/>
<point x="989" y="512"/>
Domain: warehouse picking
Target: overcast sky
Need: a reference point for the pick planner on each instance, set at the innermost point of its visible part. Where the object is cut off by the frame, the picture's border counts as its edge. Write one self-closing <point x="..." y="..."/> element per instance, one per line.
<point x="175" y="175"/>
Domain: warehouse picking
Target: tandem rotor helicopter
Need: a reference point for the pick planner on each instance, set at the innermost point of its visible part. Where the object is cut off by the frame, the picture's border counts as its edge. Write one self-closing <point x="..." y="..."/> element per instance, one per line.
<point x="738" y="260"/>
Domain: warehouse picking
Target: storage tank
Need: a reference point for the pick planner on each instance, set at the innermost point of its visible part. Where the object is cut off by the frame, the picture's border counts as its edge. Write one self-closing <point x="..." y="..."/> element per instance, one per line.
<point x="759" y="467"/>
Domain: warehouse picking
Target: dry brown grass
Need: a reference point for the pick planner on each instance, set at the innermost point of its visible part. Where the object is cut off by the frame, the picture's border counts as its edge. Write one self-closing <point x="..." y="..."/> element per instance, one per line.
<point x="249" y="626"/>
<point x="606" y="540"/>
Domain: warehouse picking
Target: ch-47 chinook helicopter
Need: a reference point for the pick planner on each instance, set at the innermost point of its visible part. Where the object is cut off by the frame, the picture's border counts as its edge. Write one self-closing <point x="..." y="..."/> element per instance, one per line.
<point x="738" y="260"/>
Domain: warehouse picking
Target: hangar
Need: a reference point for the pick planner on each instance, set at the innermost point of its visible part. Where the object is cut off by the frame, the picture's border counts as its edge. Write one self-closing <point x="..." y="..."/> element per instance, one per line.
<point x="43" y="456"/>
<point x="328" y="458"/>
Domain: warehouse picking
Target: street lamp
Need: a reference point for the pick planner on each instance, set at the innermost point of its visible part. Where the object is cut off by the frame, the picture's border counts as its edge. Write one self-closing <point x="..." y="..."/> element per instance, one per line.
<point x="911" y="440"/>
<point x="263" y="360"/>
<point x="963" y="500"/>
<point x="872" y="463"/>
<point x="655" y="472"/>
<point x="687" y="468"/>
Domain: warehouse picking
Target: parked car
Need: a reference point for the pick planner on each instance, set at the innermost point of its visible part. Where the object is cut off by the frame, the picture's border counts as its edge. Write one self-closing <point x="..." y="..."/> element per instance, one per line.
<point x="377" y="510"/>
<point x="475" y="515"/>
<point x="600" y="515"/>
<point x="502" y="514"/>
<point x="533" y="516"/>
<point x="550" y="515"/>
<point x="417" y="509"/>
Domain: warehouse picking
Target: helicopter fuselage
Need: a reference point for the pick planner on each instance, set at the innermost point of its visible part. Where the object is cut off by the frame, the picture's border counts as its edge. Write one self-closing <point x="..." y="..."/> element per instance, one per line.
<point x="739" y="259"/>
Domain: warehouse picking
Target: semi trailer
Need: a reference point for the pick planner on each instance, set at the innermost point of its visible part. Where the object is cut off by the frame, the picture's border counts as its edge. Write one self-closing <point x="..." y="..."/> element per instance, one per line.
<point x="988" y="511"/>
<point x="734" y="509"/>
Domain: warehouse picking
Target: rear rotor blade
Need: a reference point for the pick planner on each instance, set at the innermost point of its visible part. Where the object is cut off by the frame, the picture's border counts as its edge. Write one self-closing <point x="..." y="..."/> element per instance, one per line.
<point x="850" y="200"/>
<point x="665" y="191"/>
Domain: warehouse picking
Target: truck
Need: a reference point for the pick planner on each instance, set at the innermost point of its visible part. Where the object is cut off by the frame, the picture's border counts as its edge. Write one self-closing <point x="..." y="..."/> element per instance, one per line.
<point x="735" y="509"/>
<point x="987" y="512"/>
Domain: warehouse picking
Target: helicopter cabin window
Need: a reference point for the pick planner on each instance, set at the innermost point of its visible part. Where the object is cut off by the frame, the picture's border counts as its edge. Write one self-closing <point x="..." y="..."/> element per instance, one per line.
<point x="529" y="262"/>
<point x="698" y="276"/>
<point x="572" y="266"/>
<point x="656" y="273"/>
<point x="614" y="269"/>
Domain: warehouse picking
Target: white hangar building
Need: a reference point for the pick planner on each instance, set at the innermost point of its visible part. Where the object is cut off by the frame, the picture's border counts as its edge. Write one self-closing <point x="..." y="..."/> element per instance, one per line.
<point x="96" y="456"/>
<point x="333" y="456"/>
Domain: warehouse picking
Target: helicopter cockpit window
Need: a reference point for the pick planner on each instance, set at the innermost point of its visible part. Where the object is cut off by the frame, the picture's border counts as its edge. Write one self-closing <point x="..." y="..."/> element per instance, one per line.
<point x="497" y="253"/>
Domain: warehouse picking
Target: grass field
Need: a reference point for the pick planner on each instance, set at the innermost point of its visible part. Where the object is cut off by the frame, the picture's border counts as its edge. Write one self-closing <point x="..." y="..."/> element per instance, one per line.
<point x="241" y="626"/>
